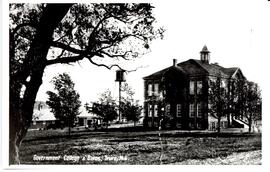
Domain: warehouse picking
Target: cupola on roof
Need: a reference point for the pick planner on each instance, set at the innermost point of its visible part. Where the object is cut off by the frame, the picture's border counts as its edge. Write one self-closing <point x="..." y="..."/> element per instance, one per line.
<point x="205" y="49"/>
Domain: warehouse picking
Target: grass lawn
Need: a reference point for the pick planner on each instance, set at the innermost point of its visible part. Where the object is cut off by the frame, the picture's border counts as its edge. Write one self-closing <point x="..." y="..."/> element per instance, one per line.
<point x="142" y="147"/>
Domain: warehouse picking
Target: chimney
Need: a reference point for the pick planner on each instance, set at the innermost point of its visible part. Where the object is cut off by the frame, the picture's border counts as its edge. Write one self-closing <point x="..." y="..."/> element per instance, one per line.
<point x="174" y="62"/>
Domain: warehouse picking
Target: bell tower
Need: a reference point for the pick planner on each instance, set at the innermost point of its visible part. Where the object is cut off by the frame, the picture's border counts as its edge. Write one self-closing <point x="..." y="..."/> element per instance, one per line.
<point x="205" y="55"/>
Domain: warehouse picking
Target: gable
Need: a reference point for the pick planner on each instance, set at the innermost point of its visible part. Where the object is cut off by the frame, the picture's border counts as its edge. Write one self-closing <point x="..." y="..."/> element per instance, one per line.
<point x="192" y="68"/>
<point x="156" y="75"/>
<point x="238" y="74"/>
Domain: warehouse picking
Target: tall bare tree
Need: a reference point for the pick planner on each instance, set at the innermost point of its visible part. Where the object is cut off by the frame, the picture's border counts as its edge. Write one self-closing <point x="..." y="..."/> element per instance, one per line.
<point x="47" y="34"/>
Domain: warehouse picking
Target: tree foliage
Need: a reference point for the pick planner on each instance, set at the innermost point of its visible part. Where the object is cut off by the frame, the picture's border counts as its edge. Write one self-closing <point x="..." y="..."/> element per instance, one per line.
<point x="65" y="103"/>
<point x="130" y="108"/>
<point x="92" y="31"/>
<point x="131" y="111"/>
<point x="105" y="107"/>
<point x="45" y="34"/>
<point x="108" y="108"/>
<point x="218" y="100"/>
<point x="251" y="103"/>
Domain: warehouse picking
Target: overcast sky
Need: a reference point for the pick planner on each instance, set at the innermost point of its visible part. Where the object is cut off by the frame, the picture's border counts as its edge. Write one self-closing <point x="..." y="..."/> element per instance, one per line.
<point x="236" y="33"/>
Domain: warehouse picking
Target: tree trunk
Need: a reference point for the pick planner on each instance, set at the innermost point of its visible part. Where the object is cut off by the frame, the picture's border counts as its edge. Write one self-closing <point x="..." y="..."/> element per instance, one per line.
<point x="218" y="128"/>
<point x="21" y="116"/>
<point x="21" y="105"/>
<point x="249" y="125"/>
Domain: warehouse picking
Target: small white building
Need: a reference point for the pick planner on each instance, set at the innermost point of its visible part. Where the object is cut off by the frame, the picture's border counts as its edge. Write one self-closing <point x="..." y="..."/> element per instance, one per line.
<point x="90" y="121"/>
<point x="42" y="116"/>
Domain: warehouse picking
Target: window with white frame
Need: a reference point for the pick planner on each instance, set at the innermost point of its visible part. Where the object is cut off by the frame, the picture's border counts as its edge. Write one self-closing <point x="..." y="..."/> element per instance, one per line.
<point x="156" y="89"/>
<point x="168" y="109"/>
<point x="150" y="89"/>
<point x="191" y="124"/>
<point x="155" y="110"/>
<point x="199" y="125"/>
<point x="199" y="110"/>
<point x="213" y="125"/>
<point x="150" y="110"/>
<point x="178" y="125"/>
<point x="199" y="87"/>
<point x="191" y="110"/>
<point x="223" y="83"/>
<point x="223" y="124"/>
<point x="191" y="87"/>
<point x="178" y="110"/>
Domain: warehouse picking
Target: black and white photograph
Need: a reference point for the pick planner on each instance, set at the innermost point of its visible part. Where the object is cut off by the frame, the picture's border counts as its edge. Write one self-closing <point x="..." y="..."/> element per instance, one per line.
<point x="134" y="83"/>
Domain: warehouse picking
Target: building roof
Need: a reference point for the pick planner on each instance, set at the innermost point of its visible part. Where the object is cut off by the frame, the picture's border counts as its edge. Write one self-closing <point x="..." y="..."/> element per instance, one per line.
<point x="160" y="74"/>
<point x="86" y="114"/>
<point x="194" y="67"/>
<point x="43" y="114"/>
<point x="213" y="69"/>
<point x="230" y="71"/>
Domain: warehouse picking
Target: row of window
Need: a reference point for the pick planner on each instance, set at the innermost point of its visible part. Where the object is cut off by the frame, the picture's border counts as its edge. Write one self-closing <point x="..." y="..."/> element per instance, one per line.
<point x="191" y="125"/>
<point x="178" y="110"/>
<point x="214" y="125"/>
<point x="194" y="86"/>
<point x="154" y="90"/>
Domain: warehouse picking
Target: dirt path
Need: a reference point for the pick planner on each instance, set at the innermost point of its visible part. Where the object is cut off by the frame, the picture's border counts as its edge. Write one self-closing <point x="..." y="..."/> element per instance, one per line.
<point x="244" y="158"/>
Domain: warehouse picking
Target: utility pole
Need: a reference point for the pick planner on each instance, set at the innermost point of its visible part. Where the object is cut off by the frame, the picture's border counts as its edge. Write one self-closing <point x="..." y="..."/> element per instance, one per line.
<point x="69" y="121"/>
<point x="120" y="116"/>
<point x="120" y="77"/>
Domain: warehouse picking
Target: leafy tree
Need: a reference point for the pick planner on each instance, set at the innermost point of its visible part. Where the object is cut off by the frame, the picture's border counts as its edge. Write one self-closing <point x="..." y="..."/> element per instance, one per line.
<point x="238" y="102"/>
<point x="65" y="103"/>
<point x="218" y="100"/>
<point x="252" y="103"/>
<point x="130" y="108"/>
<point x="45" y="34"/>
<point x="131" y="111"/>
<point x="106" y="107"/>
<point x="107" y="111"/>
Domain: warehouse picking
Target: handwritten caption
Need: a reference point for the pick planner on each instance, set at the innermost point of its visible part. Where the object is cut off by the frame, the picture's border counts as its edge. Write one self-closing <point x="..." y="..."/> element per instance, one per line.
<point x="76" y="158"/>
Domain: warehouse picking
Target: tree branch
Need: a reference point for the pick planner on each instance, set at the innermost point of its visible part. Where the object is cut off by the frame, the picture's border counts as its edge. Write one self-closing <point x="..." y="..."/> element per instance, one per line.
<point x="19" y="26"/>
<point x="66" y="60"/>
<point x="117" y="40"/>
<point x="116" y="55"/>
<point x="103" y="65"/>
<point x="68" y="48"/>
<point x="134" y="70"/>
<point x="92" y="35"/>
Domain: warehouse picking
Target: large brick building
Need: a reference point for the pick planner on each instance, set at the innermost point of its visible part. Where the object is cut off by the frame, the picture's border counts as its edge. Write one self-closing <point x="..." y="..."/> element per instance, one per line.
<point x="179" y="94"/>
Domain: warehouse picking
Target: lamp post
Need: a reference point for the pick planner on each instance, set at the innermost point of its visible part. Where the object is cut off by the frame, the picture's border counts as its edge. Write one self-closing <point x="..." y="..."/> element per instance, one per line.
<point x="120" y="77"/>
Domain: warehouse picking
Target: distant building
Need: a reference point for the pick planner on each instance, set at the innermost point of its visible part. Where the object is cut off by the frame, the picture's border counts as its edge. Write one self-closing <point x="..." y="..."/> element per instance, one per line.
<point x="179" y="94"/>
<point x="90" y="121"/>
<point x="87" y="119"/>
<point x="42" y="116"/>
